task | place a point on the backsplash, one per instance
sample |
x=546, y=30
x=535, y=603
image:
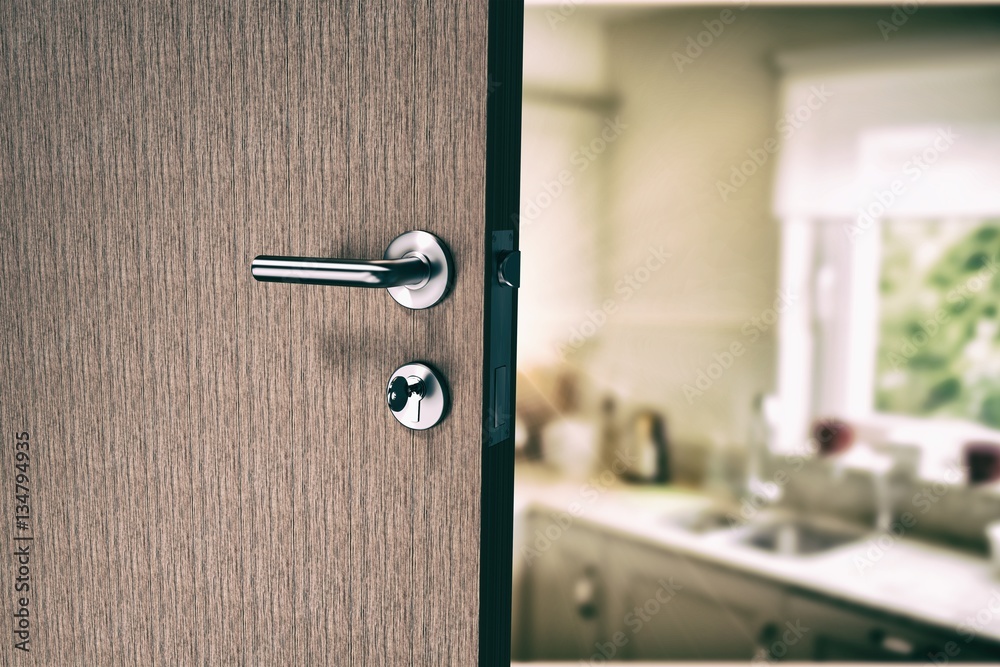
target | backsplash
x=938, y=512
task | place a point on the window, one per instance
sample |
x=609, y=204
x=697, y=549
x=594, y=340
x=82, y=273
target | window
x=938, y=322
x=890, y=221
x=902, y=331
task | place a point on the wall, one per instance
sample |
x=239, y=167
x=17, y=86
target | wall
x=562, y=190
x=672, y=343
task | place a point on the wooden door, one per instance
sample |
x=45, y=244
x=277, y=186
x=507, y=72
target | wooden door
x=209, y=472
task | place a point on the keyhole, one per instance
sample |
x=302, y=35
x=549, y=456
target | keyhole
x=416, y=392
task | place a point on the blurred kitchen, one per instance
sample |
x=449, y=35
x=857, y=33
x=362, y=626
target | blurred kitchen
x=758, y=389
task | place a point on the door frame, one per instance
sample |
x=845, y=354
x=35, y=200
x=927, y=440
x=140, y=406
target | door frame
x=503, y=170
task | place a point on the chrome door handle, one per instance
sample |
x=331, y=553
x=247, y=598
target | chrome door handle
x=416, y=269
x=343, y=272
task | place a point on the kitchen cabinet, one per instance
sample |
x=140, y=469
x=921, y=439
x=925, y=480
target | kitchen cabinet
x=839, y=633
x=676, y=608
x=596, y=595
x=566, y=568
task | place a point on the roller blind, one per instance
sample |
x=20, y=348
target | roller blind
x=919, y=129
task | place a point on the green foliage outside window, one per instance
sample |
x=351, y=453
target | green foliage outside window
x=939, y=329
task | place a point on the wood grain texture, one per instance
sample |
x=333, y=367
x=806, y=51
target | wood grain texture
x=215, y=477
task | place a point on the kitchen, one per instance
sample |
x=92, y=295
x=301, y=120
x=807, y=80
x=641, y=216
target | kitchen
x=758, y=412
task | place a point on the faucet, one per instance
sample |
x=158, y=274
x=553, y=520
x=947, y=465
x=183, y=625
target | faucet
x=769, y=493
x=758, y=452
x=884, y=513
x=884, y=473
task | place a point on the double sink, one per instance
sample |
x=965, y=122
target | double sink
x=776, y=533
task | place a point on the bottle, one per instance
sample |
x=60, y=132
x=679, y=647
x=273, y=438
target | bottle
x=610, y=436
x=650, y=451
x=571, y=441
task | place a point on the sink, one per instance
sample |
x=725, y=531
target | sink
x=701, y=521
x=798, y=537
x=776, y=532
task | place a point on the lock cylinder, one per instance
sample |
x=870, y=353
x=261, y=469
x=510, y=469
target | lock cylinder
x=401, y=389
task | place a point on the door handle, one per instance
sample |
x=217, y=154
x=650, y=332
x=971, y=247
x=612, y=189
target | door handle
x=416, y=270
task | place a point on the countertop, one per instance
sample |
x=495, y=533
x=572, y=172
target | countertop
x=907, y=578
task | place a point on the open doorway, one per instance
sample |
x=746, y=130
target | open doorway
x=759, y=351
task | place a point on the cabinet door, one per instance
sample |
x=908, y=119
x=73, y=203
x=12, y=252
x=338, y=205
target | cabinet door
x=566, y=590
x=675, y=608
x=840, y=633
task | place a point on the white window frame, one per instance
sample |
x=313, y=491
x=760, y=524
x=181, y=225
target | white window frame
x=839, y=300
x=826, y=172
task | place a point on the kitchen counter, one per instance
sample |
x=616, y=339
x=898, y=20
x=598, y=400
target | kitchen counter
x=897, y=575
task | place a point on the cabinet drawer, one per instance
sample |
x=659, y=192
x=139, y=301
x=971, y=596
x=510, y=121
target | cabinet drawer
x=839, y=632
x=677, y=608
x=697, y=576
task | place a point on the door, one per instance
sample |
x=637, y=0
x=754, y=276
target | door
x=201, y=469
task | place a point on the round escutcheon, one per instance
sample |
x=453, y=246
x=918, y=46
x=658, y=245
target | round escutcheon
x=435, y=253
